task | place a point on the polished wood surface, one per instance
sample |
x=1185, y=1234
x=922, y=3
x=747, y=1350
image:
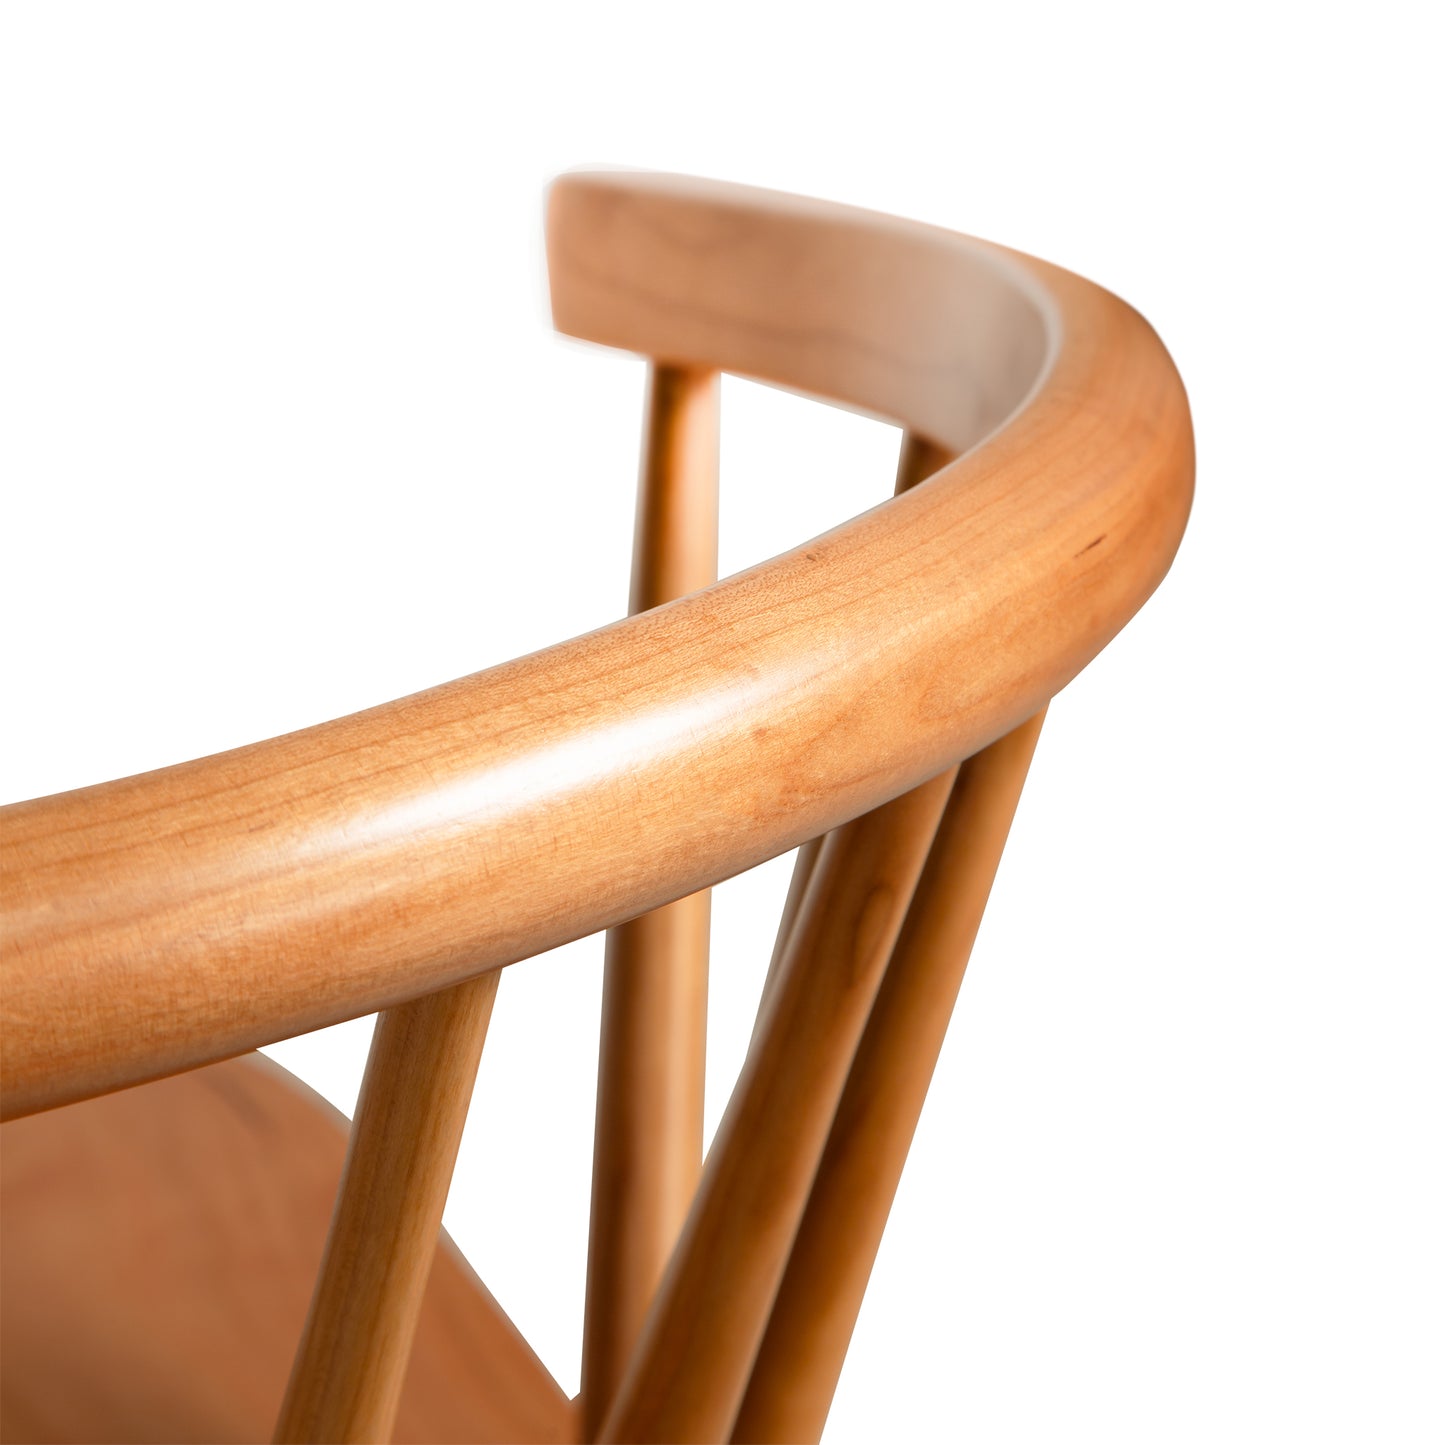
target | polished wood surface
x=811, y=1322
x=691, y=1364
x=158, y=1242
x=944, y=335
x=157, y=1252
x=396, y=852
x=351, y=1361
x=674, y=548
x=918, y=459
x=648, y=1143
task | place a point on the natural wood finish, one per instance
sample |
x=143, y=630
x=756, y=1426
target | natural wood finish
x=648, y=1148
x=942, y=334
x=157, y=1254
x=801, y=1357
x=398, y=858
x=918, y=459
x=674, y=548
x=352, y=1359
x=691, y=1364
x=394, y=853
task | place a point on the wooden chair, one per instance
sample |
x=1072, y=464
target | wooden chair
x=161, y=1242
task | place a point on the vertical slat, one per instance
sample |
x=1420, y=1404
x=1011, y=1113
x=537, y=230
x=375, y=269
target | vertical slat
x=674, y=549
x=648, y=1150
x=845, y=905
x=691, y=1365
x=802, y=1353
x=350, y=1364
x=918, y=459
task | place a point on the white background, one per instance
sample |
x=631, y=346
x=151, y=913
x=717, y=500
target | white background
x=284, y=432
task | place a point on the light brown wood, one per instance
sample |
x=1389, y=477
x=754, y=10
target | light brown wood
x=918, y=459
x=691, y=1364
x=157, y=1254
x=801, y=1357
x=350, y=1364
x=394, y=853
x=941, y=334
x=674, y=549
x=396, y=859
x=648, y=1145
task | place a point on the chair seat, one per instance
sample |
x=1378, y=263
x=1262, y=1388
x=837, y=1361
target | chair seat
x=159, y=1251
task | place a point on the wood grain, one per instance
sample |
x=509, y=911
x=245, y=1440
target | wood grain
x=158, y=1252
x=157, y=922
x=918, y=459
x=812, y=1318
x=397, y=858
x=648, y=1145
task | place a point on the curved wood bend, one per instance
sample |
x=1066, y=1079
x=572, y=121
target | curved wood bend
x=158, y=922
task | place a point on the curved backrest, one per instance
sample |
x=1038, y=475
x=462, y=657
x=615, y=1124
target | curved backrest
x=942, y=335
x=874, y=694
x=160, y=921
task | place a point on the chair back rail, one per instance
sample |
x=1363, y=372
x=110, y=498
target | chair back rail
x=157, y=922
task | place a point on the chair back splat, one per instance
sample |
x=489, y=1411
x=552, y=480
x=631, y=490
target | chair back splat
x=874, y=695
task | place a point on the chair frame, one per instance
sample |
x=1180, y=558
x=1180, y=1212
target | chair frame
x=397, y=859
